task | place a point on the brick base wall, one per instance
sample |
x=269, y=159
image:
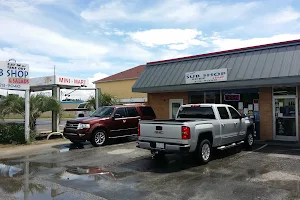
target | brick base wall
x=160, y=102
x=266, y=113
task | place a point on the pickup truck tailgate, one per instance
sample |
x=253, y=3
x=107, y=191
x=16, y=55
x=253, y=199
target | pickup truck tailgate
x=171, y=131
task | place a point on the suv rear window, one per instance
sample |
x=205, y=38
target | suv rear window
x=147, y=111
x=196, y=112
x=132, y=112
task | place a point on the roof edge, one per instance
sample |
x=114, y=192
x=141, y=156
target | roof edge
x=218, y=53
x=250, y=83
x=124, y=79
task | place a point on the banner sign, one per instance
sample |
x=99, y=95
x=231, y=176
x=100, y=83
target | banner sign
x=60, y=80
x=14, y=76
x=215, y=75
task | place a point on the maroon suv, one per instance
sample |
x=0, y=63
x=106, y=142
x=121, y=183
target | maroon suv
x=108, y=122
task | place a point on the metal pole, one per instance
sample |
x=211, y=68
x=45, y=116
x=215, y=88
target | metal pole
x=27, y=110
x=97, y=92
x=55, y=116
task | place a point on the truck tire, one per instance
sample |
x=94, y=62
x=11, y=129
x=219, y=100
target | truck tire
x=249, y=140
x=204, y=151
x=99, y=138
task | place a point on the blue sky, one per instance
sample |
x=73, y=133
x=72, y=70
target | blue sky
x=95, y=38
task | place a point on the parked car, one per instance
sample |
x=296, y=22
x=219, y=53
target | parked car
x=197, y=129
x=82, y=110
x=108, y=122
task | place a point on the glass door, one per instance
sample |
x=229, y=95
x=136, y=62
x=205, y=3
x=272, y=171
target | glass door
x=174, y=105
x=285, y=118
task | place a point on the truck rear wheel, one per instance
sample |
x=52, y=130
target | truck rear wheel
x=249, y=140
x=204, y=151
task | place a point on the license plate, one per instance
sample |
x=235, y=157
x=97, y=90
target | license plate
x=160, y=145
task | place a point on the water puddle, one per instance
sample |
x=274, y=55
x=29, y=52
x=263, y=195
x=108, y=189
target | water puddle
x=29, y=180
x=75, y=147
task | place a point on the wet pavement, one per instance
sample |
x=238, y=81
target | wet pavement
x=121, y=171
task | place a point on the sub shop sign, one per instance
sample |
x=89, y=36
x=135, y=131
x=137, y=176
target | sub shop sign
x=206, y=76
x=14, y=76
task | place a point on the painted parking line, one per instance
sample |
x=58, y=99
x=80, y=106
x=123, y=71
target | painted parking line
x=260, y=148
x=284, y=156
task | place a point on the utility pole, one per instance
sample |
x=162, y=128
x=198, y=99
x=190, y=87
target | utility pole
x=54, y=70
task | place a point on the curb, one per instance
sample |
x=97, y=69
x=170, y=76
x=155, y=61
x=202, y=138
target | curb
x=278, y=143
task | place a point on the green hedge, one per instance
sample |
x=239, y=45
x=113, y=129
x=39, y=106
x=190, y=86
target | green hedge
x=12, y=133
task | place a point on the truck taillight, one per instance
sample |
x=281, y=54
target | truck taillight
x=185, y=133
x=139, y=130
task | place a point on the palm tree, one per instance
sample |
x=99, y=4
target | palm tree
x=39, y=103
x=105, y=99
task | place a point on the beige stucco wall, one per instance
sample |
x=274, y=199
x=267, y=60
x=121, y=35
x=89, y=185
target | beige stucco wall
x=120, y=89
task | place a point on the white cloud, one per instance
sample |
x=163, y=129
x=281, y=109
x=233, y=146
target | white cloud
x=283, y=16
x=34, y=38
x=175, y=11
x=96, y=77
x=45, y=65
x=176, y=38
x=226, y=44
x=18, y=5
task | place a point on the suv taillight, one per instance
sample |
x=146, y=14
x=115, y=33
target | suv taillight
x=139, y=130
x=185, y=133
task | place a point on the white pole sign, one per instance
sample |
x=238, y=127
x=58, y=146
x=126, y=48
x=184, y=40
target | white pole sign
x=14, y=76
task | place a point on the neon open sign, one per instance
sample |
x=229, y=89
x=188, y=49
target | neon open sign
x=232, y=97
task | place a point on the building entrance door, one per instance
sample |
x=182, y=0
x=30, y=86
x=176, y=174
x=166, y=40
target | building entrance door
x=285, y=118
x=174, y=105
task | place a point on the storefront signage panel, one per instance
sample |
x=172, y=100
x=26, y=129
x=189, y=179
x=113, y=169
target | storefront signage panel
x=216, y=75
x=14, y=76
x=232, y=97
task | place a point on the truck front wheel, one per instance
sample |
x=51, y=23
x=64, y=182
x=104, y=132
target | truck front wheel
x=204, y=151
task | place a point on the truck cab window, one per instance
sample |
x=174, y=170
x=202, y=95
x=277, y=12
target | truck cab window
x=223, y=112
x=196, y=112
x=234, y=113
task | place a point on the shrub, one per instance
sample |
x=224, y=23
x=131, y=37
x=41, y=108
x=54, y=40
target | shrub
x=12, y=133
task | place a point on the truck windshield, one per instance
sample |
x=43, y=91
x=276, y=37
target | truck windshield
x=196, y=112
x=103, y=112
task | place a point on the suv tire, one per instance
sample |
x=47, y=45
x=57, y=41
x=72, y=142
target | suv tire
x=204, y=151
x=99, y=138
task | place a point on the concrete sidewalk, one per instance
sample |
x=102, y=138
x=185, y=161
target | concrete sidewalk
x=37, y=148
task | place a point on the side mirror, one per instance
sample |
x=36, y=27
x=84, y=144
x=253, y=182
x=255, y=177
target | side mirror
x=242, y=116
x=116, y=116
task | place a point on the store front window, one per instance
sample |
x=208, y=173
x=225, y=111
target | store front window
x=246, y=101
x=205, y=97
x=285, y=113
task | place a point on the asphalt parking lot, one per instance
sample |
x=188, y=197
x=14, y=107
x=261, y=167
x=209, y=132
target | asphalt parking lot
x=121, y=171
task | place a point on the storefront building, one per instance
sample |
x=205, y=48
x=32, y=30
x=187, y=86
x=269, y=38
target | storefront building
x=120, y=85
x=261, y=81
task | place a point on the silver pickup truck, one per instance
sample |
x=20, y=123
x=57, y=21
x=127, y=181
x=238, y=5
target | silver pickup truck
x=197, y=129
